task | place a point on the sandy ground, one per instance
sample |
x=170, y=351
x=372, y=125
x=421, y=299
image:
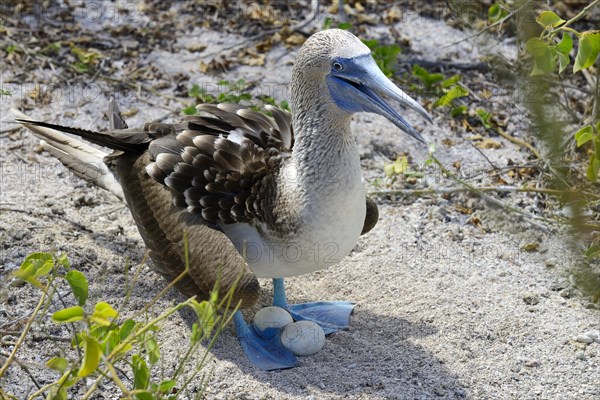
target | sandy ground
x=446, y=308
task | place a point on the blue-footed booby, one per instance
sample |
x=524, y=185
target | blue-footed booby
x=285, y=191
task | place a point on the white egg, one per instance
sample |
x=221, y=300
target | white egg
x=270, y=320
x=303, y=338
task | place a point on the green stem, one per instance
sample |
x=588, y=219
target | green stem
x=580, y=14
x=119, y=348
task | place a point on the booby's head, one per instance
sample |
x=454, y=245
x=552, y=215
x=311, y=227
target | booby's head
x=343, y=64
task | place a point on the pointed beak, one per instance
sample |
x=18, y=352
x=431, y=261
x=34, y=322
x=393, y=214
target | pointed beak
x=360, y=86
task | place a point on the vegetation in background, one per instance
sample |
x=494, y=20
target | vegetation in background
x=228, y=92
x=386, y=56
x=552, y=51
x=446, y=90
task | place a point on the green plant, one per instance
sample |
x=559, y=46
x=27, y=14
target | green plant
x=87, y=60
x=496, y=13
x=386, y=57
x=446, y=89
x=106, y=344
x=548, y=52
x=10, y=49
x=590, y=133
x=229, y=92
x=328, y=23
x=552, y=55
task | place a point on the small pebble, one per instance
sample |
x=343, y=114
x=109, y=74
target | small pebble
x=57, y=210
x=587, y=337
x=530, y=299
x=566, y=293
x=530, y=247
x=303, y=338
x=269, y=321
x=532, y=363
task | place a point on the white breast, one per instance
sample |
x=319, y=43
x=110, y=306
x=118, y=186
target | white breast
x=330, y=227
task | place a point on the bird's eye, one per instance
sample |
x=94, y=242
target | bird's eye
x=337, y=66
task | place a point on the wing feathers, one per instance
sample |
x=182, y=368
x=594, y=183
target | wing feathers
x=221, y=163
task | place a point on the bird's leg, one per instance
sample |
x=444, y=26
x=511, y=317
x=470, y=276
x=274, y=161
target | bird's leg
x=265, y=354
x=330, y=315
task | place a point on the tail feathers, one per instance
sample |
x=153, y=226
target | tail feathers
x=84, y=160
x=114, y=116
x=133, y=140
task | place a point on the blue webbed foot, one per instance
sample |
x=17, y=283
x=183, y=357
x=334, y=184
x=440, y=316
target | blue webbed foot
x=264, y=354
x=332, y=316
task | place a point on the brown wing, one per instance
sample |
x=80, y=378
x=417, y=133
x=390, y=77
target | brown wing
x=223, y=165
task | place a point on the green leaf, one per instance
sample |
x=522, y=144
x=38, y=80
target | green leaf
x=70, y=314
x=194, y=91
x=450, y=81
x=543, y=60
x=396, y=168
x=102, y=312
x=593, y=251
x=371, y=43
x=584, y=135
x=44, y=268
x=27, y=273
x=58, y=364
x=345, y=26
x=424, y=76
x=589, y=48
x=455, y=92
x=141, y=373
x=206, y=314
x=496, y=13
x=191, y=110
x=79, y=285
x=152, y=349
x=110, y=342
x=549, y=19
x=536, y=47
x=126, y=329
x=63, y=260
x=484, y=116
x=91, y=356
x=166, y=385
x=146, y=395
x=563, y=62
x=458, y=111
x=565, y=45
x=34, y=266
